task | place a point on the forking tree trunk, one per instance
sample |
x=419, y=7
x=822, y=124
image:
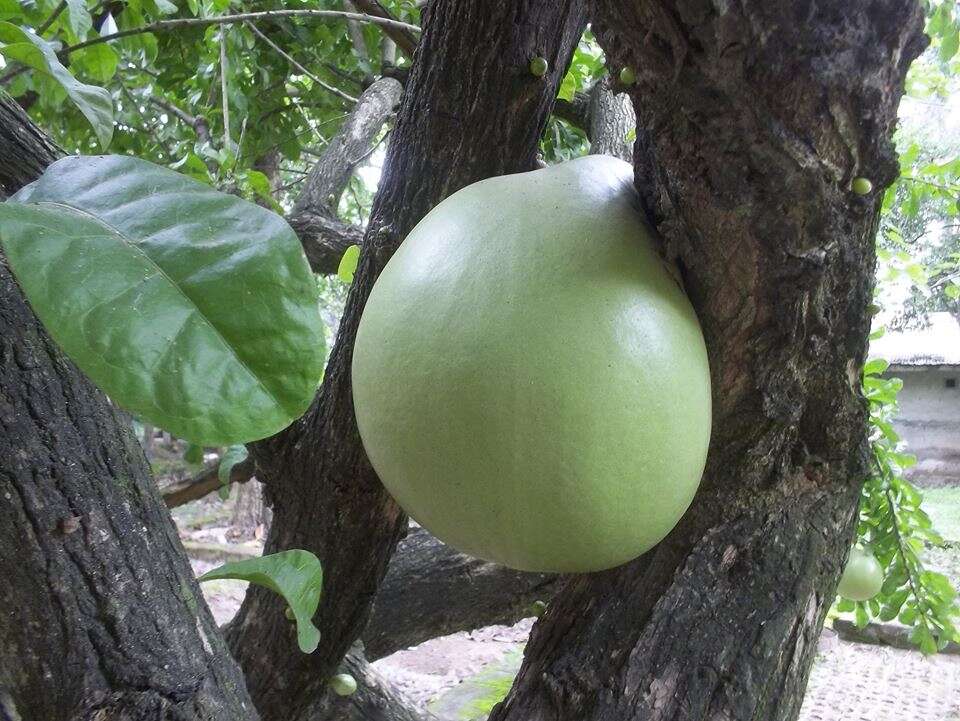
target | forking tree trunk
x=761, y=113
x=760, y=116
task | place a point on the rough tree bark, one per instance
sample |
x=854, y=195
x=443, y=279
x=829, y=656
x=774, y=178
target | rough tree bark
x=25, y=150
x=102, y=618
x=314, y=215
x=469, y=112
x=605, y=113
x=761, y=113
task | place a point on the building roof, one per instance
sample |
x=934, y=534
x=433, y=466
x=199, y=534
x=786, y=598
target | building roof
x=937, y=344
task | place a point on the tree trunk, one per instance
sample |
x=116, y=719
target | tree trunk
x=470, y=111
x=102, y=619
x=761, y=113
x=251, y=516
x=25, y=150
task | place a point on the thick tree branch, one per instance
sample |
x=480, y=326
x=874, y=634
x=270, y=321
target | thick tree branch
x=331, y=173
x=25, y=150
x=180, y=23
x=433, y=590
x=204, y=483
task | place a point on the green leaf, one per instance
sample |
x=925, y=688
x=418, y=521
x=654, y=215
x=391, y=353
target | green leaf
x=949, y=45
x=98, y=61
x=232, y=456
x=95, y=103
x=860, y=616
x=78, y=18
x=193, y=309
x=348, y=263
x=296, y=575
x=875, y=367
x=193, y=454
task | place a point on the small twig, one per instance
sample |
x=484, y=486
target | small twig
x=199, y=123
x=404, y=40
x=53, y=16
x=179, y=23
x=227, y=143
x=282, y=53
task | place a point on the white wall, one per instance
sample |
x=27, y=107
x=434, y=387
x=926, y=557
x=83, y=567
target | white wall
x=929, y=422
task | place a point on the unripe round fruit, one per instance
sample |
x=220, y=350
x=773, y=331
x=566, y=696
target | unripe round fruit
x=530, y=382
x=628, y=76
x=862, y=578
x=538, y=608
x=861, y=186
x=539, y=66
x=343, y=684
x=288, y=612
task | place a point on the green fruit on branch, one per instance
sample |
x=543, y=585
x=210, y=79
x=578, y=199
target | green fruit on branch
x=862, y=578
x=539, y=67
x=530, y=382
x=538, y=608
x=343, y=684
x=861, y=186
x=628, y=76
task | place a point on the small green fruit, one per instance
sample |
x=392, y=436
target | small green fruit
x=292, y=90
x=288, y=612
x=628, y=76
x=539, y=66
x=538, y=608
x=861, y=186
x=862, y=578
x=343, y=684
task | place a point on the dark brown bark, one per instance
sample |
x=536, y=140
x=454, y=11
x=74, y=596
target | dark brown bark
x=432, y=590
x=761, y=113
x=470, y=111
x=102, y=616
x=25, y=150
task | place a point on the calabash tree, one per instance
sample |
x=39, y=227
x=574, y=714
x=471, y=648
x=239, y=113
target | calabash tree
x=757, y=127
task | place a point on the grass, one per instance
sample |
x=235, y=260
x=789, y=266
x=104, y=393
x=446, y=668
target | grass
x=943, y=507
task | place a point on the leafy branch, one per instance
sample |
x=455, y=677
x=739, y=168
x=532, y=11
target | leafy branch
x=895, y=527
x=181, y=23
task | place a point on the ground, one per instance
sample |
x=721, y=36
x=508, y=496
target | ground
x=459, y=677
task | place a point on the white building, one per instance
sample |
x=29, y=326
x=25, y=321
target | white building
x=928, y=362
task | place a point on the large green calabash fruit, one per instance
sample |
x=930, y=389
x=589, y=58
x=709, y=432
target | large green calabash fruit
x=862, y=578
x=530, y=382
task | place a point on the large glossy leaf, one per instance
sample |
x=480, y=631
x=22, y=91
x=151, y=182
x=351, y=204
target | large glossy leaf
x=296, y=575
x=95, y=103
x=193, y=309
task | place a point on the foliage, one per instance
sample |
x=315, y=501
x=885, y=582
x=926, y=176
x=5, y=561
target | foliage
x=918, y=244
x=894, y=526
x=232, y=456
x=296, y=575
x=166, y=88
x=208, y=329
